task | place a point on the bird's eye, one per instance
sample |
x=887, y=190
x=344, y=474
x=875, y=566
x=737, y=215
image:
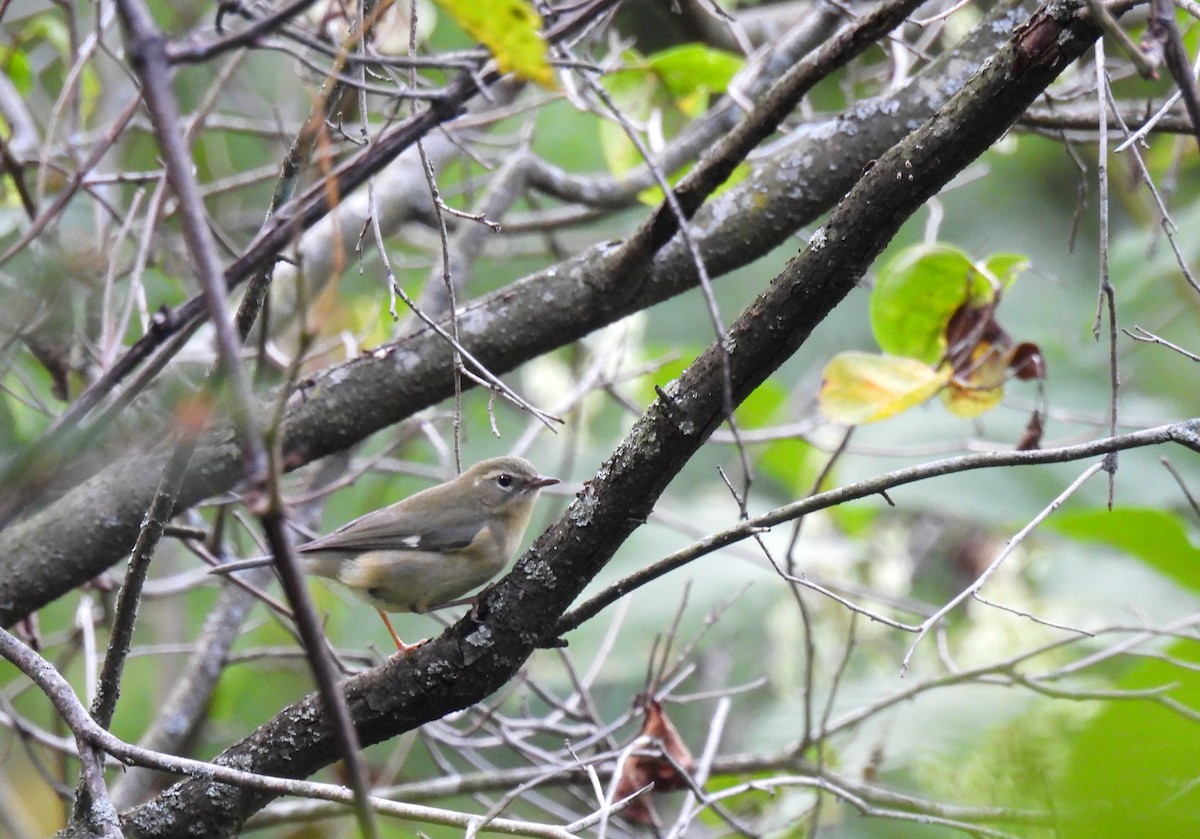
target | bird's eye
x=505, y=480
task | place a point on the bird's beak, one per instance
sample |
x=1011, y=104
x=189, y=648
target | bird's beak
x=542, y=481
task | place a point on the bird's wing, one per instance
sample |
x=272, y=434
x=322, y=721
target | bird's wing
x=384, y=530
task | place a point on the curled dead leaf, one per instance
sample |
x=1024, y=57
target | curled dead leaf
x=667, y=775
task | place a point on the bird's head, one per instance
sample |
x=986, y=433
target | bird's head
x=504, y=482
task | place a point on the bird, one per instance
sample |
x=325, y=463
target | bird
x=431, y=548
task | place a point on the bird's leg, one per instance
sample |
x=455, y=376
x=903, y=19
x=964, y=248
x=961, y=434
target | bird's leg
x=400, y=645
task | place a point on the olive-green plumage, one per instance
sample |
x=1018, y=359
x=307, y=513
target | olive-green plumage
x=431, y=548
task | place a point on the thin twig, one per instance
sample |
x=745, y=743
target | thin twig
x=982, y=579
x=1107, y=295
x=149, y=58
x=1181, y=433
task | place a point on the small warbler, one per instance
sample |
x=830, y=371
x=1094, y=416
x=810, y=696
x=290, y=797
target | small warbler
x=430, y=548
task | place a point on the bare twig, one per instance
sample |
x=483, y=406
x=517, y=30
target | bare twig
x=980, y=581
x=1181, y=433
x=150, y=60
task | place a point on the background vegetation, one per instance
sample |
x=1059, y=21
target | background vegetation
x=928, y=625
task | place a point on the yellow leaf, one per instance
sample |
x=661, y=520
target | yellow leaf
x=509, y=29
x=970, y=402
x=860, y=387
x=982, y=386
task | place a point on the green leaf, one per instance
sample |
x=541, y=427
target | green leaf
x=510, y=30
x=758, y=409
x=792, y=463
x=16, y=67
x=920, y=288
x=662, y=92
x=915, y=294
x=861, y=387
x=643, y=100
x=691, y=69
x=49, y=28
x=1133, y=768
x=1004, y=268
x=854, y=520
x=1156, y=537
x=1010, y=765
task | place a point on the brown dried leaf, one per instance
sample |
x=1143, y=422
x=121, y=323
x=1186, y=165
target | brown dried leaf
x=1027, y=362
x=640, y=770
